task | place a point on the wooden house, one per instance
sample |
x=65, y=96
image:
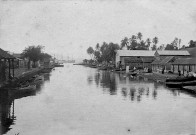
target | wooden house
x=6, y=65
x=164, y=59
x=135, y=58
x=184, y=64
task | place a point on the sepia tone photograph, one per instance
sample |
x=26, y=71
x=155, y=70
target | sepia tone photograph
x=97, y=67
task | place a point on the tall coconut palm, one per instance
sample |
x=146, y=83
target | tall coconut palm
x=133, y=42
x=155, y=41
x=148, y=42
x=139, y=36
x=124, y=43
x=97, y=47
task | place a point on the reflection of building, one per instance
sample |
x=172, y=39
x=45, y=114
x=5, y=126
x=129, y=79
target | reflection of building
x=135, y=58
x=7, y=117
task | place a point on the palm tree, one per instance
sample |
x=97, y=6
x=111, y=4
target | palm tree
x=90, y=51
x=139, y=36
x=133, y=42
x=124, y=43
x=148, y=41
x=155, y=41
x=97, y=47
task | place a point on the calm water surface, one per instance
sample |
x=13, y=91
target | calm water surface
x=77, y=100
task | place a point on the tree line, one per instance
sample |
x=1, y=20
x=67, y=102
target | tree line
x=107, y=51
x=34, y=54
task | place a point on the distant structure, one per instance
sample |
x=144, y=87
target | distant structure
x=69, y=60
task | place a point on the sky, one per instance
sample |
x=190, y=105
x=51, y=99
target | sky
x=69, y=27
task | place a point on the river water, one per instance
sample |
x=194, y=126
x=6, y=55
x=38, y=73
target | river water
x=77, y=100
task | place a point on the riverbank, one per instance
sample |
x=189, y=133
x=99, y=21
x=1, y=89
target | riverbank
x=155, y=76
x=21, y=74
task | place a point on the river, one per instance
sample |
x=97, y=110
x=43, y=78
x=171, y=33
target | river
x=78, y=100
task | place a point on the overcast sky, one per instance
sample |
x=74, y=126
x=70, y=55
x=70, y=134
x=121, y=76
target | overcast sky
x=69, y=27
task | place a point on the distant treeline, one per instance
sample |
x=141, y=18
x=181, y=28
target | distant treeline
x=107, y=51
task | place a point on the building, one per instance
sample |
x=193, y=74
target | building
x=165, y=58
x=19, y=61
x=6, y=64
x=184, y=65
x=135, y=58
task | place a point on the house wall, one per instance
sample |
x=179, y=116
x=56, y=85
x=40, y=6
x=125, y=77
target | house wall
x=137, y=64
x=184, y=68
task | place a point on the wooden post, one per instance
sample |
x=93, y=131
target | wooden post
x=183, y=69
x=13, y=67
x=173, y=68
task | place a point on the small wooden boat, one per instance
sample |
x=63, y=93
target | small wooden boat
x=29, y=87
x=179, y=82
x=132, y=73
x=46, y=70
x=190, y=88
x=59, y=65
x=37, y=79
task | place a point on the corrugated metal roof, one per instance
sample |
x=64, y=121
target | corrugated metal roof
x=174, y=52
x=166, y=60
x=135, y=53
x=5, y=55
x=184, y=61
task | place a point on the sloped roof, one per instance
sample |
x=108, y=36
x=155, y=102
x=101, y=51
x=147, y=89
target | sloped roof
x=5, y=55
x=192, y=51
x=135, y=53
x=184, y=61
x=166, y=60
x=173, y=52
x=156, y=61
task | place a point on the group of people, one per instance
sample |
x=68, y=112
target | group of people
x=187, y=73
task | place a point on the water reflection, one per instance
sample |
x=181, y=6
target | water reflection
x=133, y=88
x=106, y=80
x=7, y=98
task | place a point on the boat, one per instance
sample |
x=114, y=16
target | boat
x=37, y=79
x=132, y=73
x=179, y=82
x=190, y=88
x=46, y=70
x=29, y=87
x=58, y=65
